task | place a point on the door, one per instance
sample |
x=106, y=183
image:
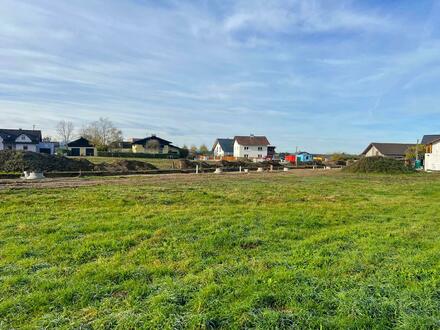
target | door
x=45, y=151
x=90, y=152
x=74, y=152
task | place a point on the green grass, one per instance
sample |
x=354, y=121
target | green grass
x=159, y=163
x=339, y=251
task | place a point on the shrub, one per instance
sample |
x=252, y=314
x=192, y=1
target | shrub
x=378, y=164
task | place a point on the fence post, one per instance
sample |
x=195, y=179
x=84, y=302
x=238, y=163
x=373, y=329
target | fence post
x=197, y=169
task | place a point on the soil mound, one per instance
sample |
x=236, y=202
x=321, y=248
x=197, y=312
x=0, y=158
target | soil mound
x=185, y=164
x=18, y=161
x=125, y=166
x=378, y=165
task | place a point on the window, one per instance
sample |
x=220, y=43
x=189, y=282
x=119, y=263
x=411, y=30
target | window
x=260, y=156
x=260, y=148
x=246, y=156
x=23, y=137
x=25, y=147
x=246, y=148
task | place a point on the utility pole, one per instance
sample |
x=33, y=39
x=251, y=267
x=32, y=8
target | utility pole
x=296, y=156
x=417, y=154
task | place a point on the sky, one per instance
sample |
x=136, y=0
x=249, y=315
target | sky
x=323, y=76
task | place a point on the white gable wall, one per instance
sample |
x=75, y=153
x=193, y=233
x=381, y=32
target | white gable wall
x=373, y=152
x=242, y=151
x=23, y=138
x=218, y=151
x=432, y=160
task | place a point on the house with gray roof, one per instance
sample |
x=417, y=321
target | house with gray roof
x=25, y=140
x=391, y=150
x=223, y=148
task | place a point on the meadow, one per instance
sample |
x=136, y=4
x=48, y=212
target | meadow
x=231, y=251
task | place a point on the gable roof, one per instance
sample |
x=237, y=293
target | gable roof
x=389, y=149
x=252, y=140
x=152, y=137
x=10, y=135
x=80, y=143
x=227, y=145
x=427, y=139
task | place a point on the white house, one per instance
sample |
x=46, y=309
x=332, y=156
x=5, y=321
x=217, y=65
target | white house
x=223, y=148
x=18, y=139
x=26, y=140
x=252, y=147
x=432, y=156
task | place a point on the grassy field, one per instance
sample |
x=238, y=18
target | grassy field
x=159, y=163
x=272, y=251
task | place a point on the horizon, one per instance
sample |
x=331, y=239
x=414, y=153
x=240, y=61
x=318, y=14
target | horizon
x=323, y=76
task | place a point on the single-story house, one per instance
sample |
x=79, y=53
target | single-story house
x=304, y=157
x=26, y=140
x=154, y=145
x=252, y=147
x=432, y=155
x=391, y=150
x=81, y=147
x=223, y=148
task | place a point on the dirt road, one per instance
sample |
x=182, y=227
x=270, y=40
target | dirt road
x=155, y=178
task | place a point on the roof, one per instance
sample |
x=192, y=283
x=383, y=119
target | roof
x=80, y=143
x=10, y=135
x=303, y=153
x=227, y=145
x=390, y=149
x=427, y=139
x=252, y=140
x=152, y=137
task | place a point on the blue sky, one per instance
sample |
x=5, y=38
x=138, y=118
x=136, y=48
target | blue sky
x=321, y=75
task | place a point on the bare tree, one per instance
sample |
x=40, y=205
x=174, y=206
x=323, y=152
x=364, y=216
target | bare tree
x=65, y=130
x=102, y=133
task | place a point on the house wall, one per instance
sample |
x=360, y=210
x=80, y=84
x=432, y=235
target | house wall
x=166, y=149
x=432, y=160
x=218, y=151
x=26, y=147
x=2, y=147
x=305, y=158
x=137, y=148
x=241, y=151
x=373, y=152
